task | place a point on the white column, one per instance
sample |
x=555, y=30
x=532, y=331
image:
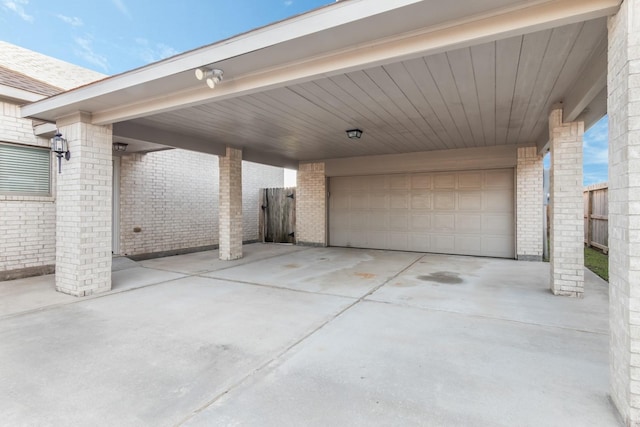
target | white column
x=529, y=228
x=83, y=208
x=624, y=209
x=230, y=210
x=311, y=205
x=567, y=211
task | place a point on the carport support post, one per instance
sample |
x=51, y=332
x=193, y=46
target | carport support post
x=529, y=229
x=311, y=205
x=83, y=208
x=230, y=209
x=567, y=215
x=624, y=209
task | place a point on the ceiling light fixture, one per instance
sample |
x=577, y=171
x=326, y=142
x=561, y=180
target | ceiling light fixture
x=120, y=146
x=212, y=76
x=354, y=133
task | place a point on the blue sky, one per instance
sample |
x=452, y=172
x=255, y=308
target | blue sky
x=112, y=36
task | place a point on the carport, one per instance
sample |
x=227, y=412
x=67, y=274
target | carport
x=457, y=103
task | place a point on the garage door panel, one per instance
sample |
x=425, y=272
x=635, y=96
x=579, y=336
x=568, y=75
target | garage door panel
x=421, y=181
x=420, y=222
x=468, y=223
x=377, y=240
x=340, y=201
x=444, y=201
x=467, y=212
x=470, y=180
x=443, y=243
x=420, y=242
x=399, y=241
x=421, y=200
x=443, y=181
x=378, y=220
x=400, y=200
x=502, y=178
x=377, y=183
x=468, y=245
x=497, y=224
x=359, y=220
x=399, y=182
x=379, y=201
x=470, y=201
x=497, y=201
x=444, y=222
x=497, y=246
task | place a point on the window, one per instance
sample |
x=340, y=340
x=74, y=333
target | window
x=25, y=170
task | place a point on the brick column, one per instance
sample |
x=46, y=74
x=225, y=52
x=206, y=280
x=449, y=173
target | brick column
x=83, y=208
x=624, y=209
x=230, y=216
x=529, y=227
x=566, y=213
x=311, y=205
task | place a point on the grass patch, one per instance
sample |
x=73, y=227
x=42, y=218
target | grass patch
x=597, y=262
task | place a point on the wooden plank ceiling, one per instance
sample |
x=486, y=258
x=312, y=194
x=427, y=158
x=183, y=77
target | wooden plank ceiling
x=491, y=94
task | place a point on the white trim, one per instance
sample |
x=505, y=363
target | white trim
x=518, y=19
x=19, y=94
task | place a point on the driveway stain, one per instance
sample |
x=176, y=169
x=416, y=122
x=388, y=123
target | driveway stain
x=366, y=275
x=291, y=266
x=443, y=277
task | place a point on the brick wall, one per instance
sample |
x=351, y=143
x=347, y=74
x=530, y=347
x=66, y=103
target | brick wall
x=311, y=205
x=567, y=209
x=173, y=197
x=624, y=210
x=529, y=219
x=27, y=226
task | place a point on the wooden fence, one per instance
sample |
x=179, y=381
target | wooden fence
x=596, y=216
x=278, y=215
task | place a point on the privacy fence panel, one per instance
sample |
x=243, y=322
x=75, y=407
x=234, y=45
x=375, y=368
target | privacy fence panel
x=278, y=215
x=596, y=216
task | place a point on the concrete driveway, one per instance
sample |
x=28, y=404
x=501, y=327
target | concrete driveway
x=292, y=336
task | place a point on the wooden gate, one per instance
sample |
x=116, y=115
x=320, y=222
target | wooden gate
x=278, y=215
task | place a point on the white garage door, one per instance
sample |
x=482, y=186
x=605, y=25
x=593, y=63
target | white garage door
x=466, y=213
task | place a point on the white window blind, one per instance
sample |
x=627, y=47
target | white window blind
x=25, y=170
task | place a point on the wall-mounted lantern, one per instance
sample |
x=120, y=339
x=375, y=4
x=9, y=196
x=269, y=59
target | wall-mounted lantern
x=60, y=147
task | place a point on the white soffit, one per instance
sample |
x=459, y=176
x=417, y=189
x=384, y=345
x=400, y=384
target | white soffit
x=342, y=37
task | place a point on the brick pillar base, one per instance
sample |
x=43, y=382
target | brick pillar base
x=567, y=211
x=83, y=209
x=529, y=227
x=624, y=209
x=230, y=215
x=311, y=205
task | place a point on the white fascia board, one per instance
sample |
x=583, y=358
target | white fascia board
x=45, y=129
x=516, y=21
x=19, y=95
x=321, y=19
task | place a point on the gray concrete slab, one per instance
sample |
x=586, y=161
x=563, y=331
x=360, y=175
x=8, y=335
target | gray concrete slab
x=444, y=341
x=203, y=262
x=147, y=357
x=335, y=271
x=387, y=365
x=31, y=293
x=497, y=288
x=138, y=277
